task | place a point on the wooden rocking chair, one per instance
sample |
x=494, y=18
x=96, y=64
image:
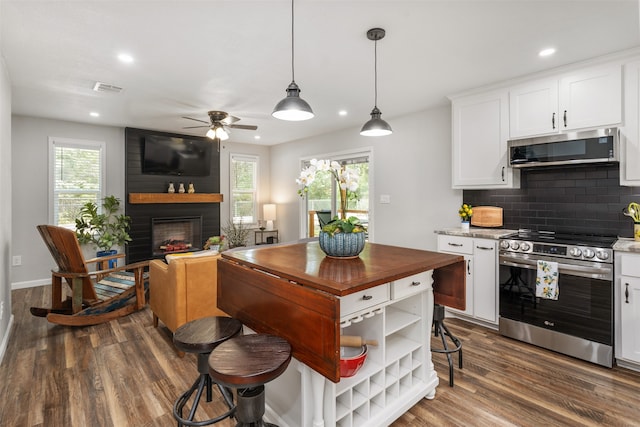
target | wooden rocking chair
x=96, y=296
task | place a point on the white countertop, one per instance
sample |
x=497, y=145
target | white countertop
x=483, y=233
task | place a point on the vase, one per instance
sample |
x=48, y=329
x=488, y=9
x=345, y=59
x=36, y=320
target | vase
x=636, y=231
x=342, y=245
x=464, y=225
x=112, y=263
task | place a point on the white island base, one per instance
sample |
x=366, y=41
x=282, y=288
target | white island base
x=395, y=376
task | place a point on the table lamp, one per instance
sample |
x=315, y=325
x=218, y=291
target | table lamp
x=269, y=213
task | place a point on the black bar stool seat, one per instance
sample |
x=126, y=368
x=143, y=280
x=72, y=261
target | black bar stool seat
x=440, y=329
x=246, y=363
x=202, y=336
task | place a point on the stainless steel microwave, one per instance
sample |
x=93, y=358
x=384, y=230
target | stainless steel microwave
x=594, y=146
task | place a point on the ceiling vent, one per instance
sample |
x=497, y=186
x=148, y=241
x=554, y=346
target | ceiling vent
x=104, y=87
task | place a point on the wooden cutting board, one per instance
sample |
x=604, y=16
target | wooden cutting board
x=487, y=216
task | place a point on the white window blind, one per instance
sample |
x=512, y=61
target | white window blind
x=76, y=170
x=244, y=188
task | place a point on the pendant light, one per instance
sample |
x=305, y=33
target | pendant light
x=292, y=108
x=376, y=126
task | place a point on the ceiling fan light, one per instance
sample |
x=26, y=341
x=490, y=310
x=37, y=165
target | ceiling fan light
x=376, y=126
x=211, y=133
x=222, y=134
x=293, y=108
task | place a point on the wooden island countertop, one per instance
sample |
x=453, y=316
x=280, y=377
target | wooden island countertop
x=294, y=290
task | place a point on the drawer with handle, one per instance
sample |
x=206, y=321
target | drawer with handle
x=364, y=299
x=455, y=244
x=411, y=285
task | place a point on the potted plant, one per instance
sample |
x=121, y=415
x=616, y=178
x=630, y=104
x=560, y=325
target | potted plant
x=104, y=229
x=342, y=237
x=465, y=212
x=214, y=243
x=235, y=234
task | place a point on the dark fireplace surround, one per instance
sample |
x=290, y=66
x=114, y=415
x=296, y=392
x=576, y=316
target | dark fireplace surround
x=203, y=219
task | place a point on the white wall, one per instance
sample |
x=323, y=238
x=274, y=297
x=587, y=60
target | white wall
x=5, y=208
x=30, y=185
x=412, y=166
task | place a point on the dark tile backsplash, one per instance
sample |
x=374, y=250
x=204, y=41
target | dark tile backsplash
x=571, y=199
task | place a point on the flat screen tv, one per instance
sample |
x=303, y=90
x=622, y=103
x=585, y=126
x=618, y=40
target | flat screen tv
x=164, y=155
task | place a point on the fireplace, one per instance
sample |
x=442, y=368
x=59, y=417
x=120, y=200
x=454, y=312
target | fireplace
x=176, y=234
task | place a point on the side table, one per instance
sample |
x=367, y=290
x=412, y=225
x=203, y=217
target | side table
x=271, y=237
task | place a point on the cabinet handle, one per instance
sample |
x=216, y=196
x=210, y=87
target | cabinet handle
x=626, y=293
x=553, y=120
x=503, y=174
x=415, y=283
x=486, y=248
x=454, y=244
x=547, y=323
x=565, y=118
x=366, y=297
x=469, y=267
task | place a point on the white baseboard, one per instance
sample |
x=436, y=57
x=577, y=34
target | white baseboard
x=30, y=284
x=5, y=339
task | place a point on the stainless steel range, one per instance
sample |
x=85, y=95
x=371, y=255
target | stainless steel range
x=580, y=322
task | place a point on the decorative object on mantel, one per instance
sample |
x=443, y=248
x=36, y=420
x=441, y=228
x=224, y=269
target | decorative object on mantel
x=342, y=237
x=104, y=229
x=465, y=212
x=235, y=234
x=633, y=212
x=171, y=189
x=191, y=189
x=181, y=189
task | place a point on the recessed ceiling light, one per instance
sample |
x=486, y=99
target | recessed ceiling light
x=126, y=58
x=547, y=52
x=94, y=114
x=342, y=112
x=256, y=137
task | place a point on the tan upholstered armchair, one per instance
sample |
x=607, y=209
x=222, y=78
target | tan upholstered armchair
x=183, y=290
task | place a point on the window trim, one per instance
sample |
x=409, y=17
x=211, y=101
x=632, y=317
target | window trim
x=54, y=141
x=252, y=158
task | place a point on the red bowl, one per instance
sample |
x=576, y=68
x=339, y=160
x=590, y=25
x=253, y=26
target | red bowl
x=351, y=360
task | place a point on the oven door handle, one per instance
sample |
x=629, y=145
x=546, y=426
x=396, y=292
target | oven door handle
x=574, y=270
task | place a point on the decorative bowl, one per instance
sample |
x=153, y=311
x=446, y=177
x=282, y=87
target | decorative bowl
x=351, y=360
x=342, y=245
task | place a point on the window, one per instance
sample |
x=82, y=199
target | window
x=244, y=191
x=76, y=176
x=323, y=194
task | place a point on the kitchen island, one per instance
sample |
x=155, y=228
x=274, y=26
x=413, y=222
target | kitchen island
x=387, y=294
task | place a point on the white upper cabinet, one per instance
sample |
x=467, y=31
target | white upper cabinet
x=630, y=133
x=583, y=99
x=480, y=132
x=533, y=108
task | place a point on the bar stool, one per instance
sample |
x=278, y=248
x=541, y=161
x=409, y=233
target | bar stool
x=247, y=363
x=439, y=328
x=201, y=336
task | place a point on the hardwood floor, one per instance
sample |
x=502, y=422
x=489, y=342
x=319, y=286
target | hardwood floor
x=125, y=373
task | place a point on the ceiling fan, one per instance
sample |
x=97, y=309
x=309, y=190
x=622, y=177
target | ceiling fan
x=219, y=123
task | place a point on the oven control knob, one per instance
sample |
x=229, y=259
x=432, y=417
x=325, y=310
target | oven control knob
x=588, y=253
x=515, y=245
x=504, y=244
x=576, y=252
x=525, y=246
x=602, y=255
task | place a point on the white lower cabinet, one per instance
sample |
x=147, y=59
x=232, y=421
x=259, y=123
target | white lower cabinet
x=397, y=373
x=481, y=256
x=627, y=297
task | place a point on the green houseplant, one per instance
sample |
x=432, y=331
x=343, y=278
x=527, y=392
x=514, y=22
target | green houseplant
x=104, y=229
x=343, y=237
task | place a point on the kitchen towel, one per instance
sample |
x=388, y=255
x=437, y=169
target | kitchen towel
x=547, y=280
